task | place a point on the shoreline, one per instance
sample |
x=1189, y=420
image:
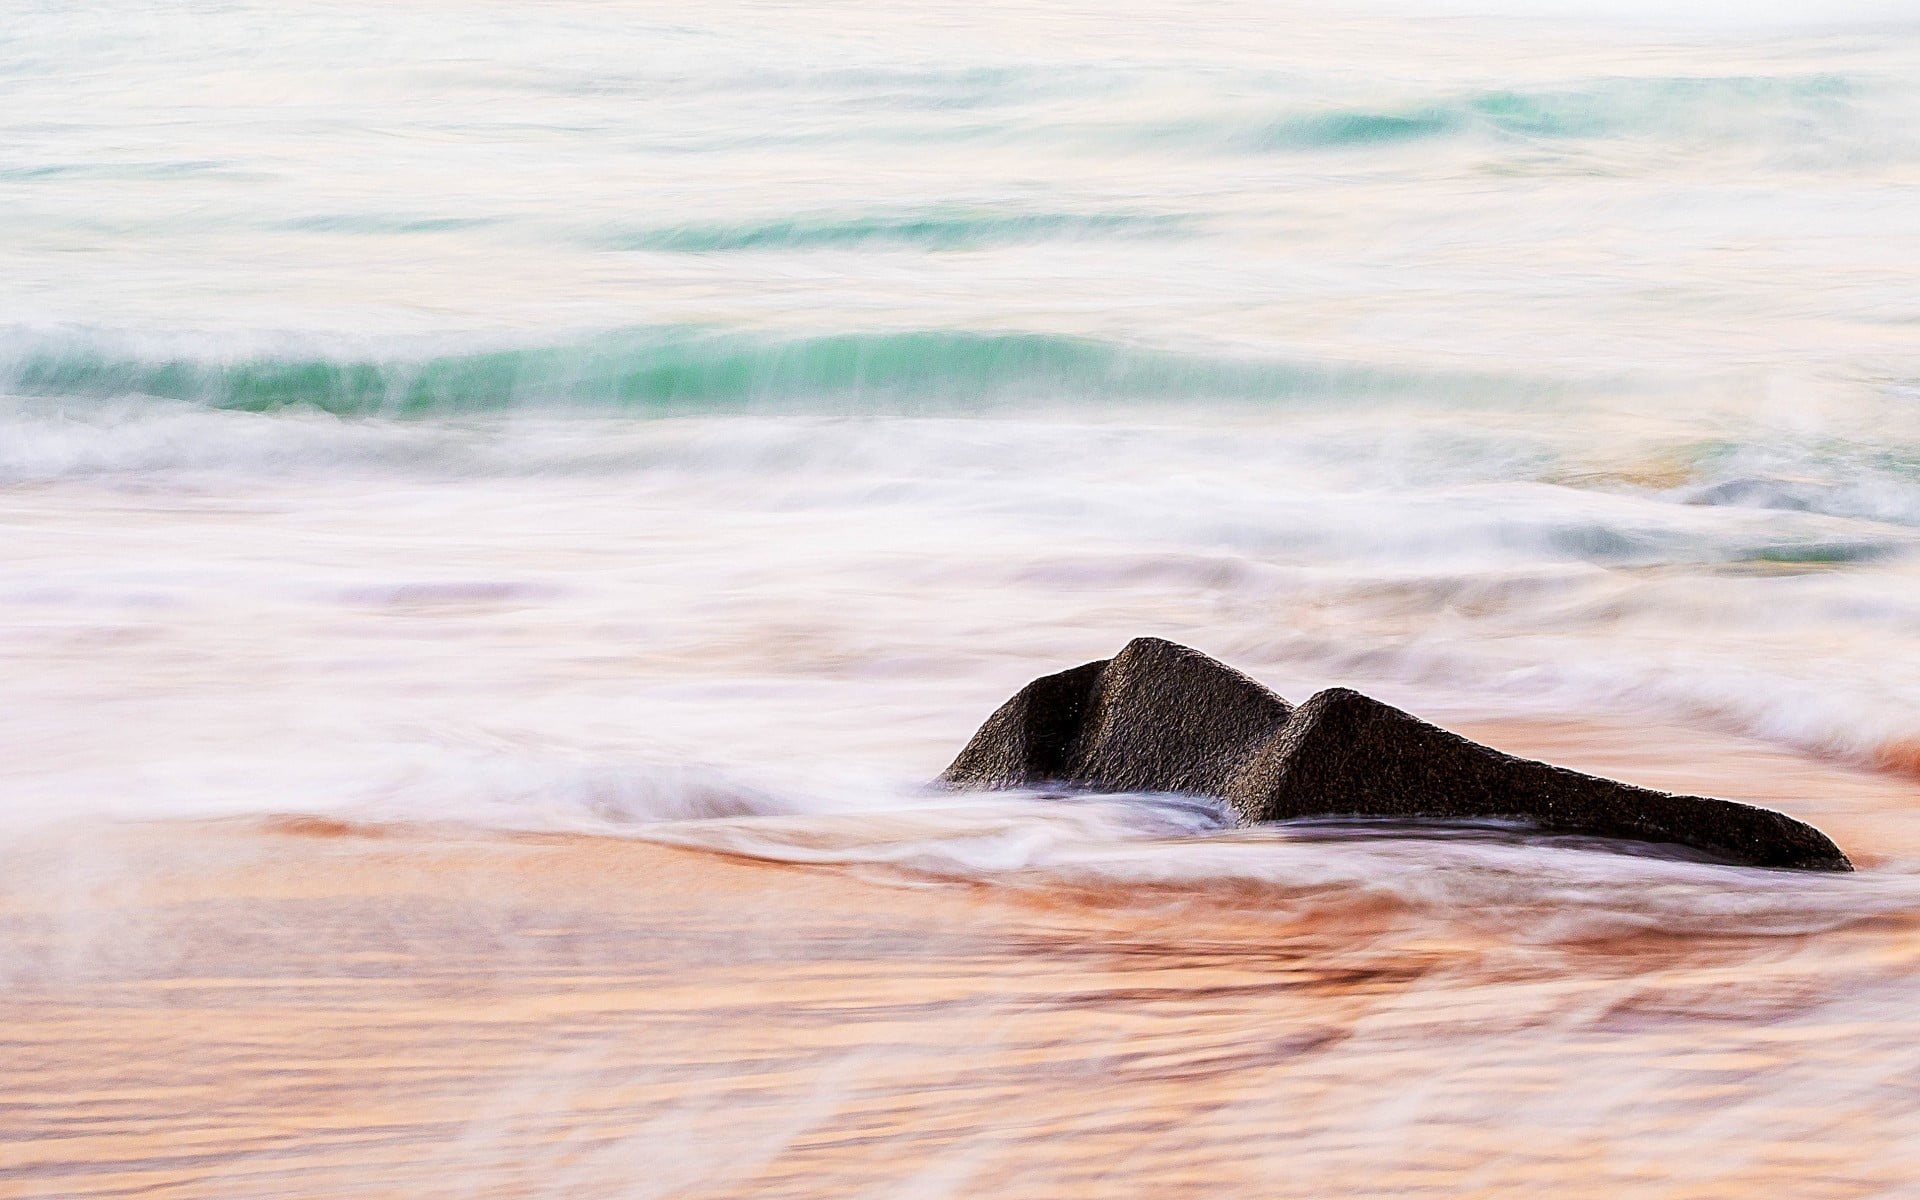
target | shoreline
x=299, y=1006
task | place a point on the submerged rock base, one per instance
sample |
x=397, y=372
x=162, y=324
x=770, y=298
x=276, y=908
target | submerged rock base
x=1160, y=717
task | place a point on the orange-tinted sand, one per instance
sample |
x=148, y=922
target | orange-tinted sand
x=307, y=1008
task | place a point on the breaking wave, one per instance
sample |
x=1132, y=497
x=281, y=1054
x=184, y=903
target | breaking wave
x=1149, y=850
x=1723, y=109
x=693, y=369
x=931, y=229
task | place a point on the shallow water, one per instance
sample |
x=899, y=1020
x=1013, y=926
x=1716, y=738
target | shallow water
x=320, y=1010
x=683, y=427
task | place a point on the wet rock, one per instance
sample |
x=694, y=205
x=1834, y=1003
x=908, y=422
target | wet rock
x=1155, y=717
x=1165, y=718
x=1029, y=739
x=1343, y=752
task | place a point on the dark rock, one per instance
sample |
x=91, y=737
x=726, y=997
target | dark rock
x=1346, y=753
x=1161, y=717
x=1028, y=740
x=1165, y=718
x=1156, y=717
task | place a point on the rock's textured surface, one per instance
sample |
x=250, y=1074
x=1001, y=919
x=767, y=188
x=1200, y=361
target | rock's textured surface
x=1156, y=717
x=1343, y=752
x=1029, y=739
x=1165, y=718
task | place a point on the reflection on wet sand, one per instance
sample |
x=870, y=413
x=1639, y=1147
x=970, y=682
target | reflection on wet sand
x=309, y=1008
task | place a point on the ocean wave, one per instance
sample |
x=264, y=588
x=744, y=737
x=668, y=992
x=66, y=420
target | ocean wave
x=929, y=228
x=1715, y=105
x=1283, y=113
x=1154, y=850
x=381, y=224
x=1825, y=112
x=932, y=227
x=1713, y=110
x=690, y=368
x=1884, y=488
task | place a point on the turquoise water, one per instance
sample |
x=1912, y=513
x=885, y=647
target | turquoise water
x=848, y=365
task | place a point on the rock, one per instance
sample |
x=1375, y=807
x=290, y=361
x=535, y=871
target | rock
x=1164, y=718
x=1027, y=740
x=1343, y=752
x=1156, y=717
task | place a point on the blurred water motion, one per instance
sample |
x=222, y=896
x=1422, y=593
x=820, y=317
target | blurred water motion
x=683, y=426
x=317, y=1012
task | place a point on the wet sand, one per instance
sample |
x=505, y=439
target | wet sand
x=304, y=1008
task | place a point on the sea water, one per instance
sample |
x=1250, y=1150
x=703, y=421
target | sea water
x=691, y=420
x=777, y=386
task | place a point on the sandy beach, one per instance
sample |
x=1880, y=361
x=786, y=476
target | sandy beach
x=300, y=1007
